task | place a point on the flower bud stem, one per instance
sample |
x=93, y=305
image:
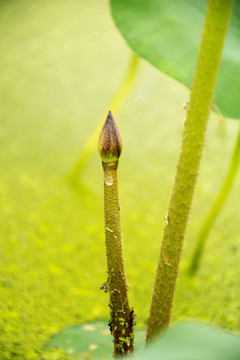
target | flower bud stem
x=121, y=315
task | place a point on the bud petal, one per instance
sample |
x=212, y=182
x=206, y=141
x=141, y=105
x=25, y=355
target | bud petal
x=110, y=142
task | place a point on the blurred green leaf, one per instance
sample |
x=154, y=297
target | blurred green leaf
x=89, y=341
x=167, y=34
x=193, y=342
x=181, y=342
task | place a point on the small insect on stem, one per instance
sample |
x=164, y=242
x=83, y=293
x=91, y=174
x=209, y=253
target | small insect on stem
x=121, y=315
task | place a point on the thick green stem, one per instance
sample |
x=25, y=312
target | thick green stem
x=216, y=208
x=121, y=320
x=115, y=105
x=215, y=27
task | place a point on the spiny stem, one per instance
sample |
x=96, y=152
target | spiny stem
x=215, y=27
x=121, y=315
x=115, y=105
x=216, y=208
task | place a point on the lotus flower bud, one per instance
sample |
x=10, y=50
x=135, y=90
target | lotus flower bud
x=110, y=142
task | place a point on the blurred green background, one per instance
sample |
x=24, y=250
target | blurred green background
x=61, y=63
